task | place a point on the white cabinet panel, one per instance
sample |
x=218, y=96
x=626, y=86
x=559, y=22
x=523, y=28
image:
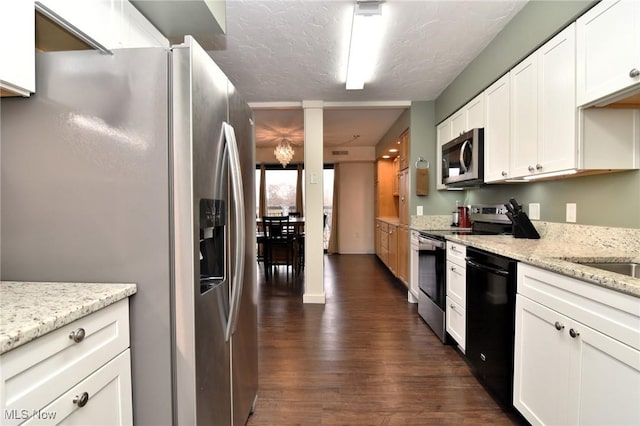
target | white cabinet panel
x=524, y=117
x=541, y=359
x=443, y=134
x=583, y=339
x=608, y=49
x=496, y=131
x=606, y=374
x=456, y=283
x=109, y=399
x=475, y=112
x=17, y=43
x=556, y=103
x=458, y=123
x=456, y=322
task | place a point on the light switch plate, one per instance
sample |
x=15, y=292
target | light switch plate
x=534, y=211
x=571, y=212
x=420, y=212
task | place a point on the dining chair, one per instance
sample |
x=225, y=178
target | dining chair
x=279, y=245
x=300, y=245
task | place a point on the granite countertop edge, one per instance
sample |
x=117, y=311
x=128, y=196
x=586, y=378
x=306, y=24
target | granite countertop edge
x=562, y=261
x=37, y=314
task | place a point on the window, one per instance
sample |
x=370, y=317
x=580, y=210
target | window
x=280, y=190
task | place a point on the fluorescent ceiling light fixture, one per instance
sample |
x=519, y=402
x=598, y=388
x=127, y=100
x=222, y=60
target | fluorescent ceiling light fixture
x=365, y=40
x=551, y=174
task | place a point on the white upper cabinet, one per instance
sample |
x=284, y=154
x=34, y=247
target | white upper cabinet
x=443, y=131
x=496, y=131
x=524, y=116
x=93, y=21
x=468, y=117
x=556, y=102
x=608, y=50
x=103, y=24
x=17, y=42
x=543, y=110
x=475, y=112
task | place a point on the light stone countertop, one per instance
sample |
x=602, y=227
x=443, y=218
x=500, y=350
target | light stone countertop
x=29, y=310
x=560, y=257
x=559, y=248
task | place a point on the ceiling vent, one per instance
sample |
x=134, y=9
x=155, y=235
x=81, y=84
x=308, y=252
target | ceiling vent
x=339, y=153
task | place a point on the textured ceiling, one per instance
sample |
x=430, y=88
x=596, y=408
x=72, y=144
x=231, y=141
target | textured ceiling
x=294, y=50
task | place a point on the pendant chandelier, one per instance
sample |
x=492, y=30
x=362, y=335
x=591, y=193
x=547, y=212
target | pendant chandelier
x=284, y=152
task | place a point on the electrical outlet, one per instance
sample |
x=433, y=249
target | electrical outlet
x=534, y=211
x=420, y=212
x=571, y=212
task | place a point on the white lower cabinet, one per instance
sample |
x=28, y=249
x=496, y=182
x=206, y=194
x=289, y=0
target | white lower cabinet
x=456, y=279
x=456, y=322
x=567, y=369
x=79, y=374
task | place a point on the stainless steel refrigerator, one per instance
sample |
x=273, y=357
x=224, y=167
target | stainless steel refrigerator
x=139, y=167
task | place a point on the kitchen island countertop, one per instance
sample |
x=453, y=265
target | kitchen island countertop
x=29, y=310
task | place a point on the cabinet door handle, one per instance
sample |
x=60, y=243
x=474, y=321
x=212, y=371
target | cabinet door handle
x=453, y=307
x=573, y=333
x=538, y=166
x=531, y=169
x=634, y=73
x=558, y=326
x=453, y=269
x=81, y=400
x=77, y=335
x=504, y=174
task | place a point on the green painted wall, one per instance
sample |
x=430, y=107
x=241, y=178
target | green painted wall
x=423, y=144
x=537, y=22
x=607, y=200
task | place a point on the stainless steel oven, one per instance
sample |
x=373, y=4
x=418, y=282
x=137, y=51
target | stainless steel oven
x=432, y=283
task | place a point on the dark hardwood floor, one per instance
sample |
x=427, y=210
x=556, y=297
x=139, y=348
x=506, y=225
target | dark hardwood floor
x=364, y=358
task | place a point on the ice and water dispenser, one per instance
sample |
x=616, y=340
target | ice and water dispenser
x=212, y=243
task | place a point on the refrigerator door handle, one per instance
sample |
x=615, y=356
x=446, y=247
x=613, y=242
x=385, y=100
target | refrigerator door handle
x=237, y=193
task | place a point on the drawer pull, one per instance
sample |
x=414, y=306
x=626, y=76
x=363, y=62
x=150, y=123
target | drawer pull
x=453, y=306
x=558, y=326
x=81, y=400
x=77, y=335
x=573, y=333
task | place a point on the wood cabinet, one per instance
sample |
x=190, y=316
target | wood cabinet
x=543, y=111
x=404, y=155
x=403, y=271
x=456, y=280
x=403, y=197
x=392, y=254
x=88, y=358
x=608, y=50
x=17, y=35
x=582, y=338
x=497, y=131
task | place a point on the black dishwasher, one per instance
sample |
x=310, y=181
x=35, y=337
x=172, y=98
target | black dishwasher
x=490, y=321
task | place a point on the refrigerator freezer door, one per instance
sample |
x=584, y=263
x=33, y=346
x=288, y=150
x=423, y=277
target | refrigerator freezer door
x=244, y=340
x=200, y=171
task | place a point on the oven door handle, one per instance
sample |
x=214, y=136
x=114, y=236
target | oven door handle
x=490, y=269
x=429, y=242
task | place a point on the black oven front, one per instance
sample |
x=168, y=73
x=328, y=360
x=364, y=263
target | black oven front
x=432, y=283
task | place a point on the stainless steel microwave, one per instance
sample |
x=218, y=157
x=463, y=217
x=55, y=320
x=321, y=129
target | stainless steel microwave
x=463, y=160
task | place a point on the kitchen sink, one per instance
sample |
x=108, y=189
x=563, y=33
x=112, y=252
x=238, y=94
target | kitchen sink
x=627, y=268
